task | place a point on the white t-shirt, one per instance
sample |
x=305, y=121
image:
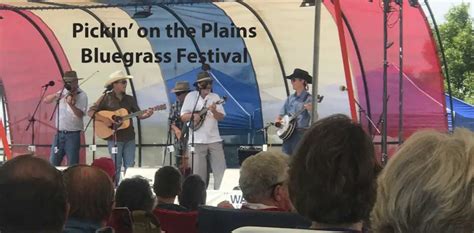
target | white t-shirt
x=209, y=131
x=67, y=119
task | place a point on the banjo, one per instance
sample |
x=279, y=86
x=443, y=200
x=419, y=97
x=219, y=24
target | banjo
x=287, y=125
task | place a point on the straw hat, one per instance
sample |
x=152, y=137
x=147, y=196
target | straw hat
x=203, y=76
x=116, y=76
x=180, y=86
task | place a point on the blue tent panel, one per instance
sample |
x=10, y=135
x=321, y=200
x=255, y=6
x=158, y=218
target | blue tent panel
x=241, y=107
x=463, y=113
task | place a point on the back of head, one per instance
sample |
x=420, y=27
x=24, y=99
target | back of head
x=259, y=173
x=90, y=193
x=427, y=185
x=32, y=196
x=194, y=192
x=332, y=174
x=167, y=182
x=135, y=194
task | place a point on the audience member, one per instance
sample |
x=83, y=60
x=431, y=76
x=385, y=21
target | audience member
x=107, y=165
x=91, y=198
x=167, y=186
x=135, y=194
x=194, y=192
x=32, y=196
x=332, y=177
x=427, y=186
x=263, y=181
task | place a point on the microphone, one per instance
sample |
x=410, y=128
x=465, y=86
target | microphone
x=107, y=89
x=68, y=86
x=276, y=124
x=205, y=67
x=49, y=84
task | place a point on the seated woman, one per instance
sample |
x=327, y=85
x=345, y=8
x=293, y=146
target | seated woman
x=332, y=177
x=135, y=194
x=427, y=186
x=193, y=194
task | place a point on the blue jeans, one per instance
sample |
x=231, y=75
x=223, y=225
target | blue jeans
x=125, y=153
x=69, y=143
x=289, y=145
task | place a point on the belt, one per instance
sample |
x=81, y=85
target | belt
x=68, y=132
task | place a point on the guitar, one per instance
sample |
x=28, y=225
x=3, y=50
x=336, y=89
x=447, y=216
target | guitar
x=121, y=120
x=288, y=125
x=202, y=114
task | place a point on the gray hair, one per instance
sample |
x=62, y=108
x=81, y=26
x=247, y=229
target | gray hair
x=260, y=172
x=427, y=185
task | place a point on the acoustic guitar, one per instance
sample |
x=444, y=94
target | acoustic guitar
x=120, y=118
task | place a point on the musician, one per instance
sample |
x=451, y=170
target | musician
x=293, y=104
x=207, y=138
x=179, y=129
x=125, y=138
x=72, y=107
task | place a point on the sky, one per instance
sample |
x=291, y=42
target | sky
x=441, y=7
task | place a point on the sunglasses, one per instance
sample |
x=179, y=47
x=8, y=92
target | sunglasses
x=180, y=93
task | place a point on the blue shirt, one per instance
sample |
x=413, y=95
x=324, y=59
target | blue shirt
x=294, y=104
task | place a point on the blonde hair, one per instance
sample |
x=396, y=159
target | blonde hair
x=427, y=185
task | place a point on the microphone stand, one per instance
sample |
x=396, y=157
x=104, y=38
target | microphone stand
x=114, y=151
x=97, y=109
x=56, y=110
x=93, y=117
x=361, y=110
x=169, y=140
x=265, y=134
x=191, y=122
x=32, y=120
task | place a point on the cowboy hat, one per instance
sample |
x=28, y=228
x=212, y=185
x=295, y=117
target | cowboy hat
x=301, y=74
x=70, y=76
x=180, y=86
x=116, y=76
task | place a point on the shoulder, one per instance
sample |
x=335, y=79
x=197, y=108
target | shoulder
x=129, y=97
x=192, y=94
x=214, y=96
x=82, y=93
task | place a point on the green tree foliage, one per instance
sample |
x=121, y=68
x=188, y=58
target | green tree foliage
x=458, y=41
